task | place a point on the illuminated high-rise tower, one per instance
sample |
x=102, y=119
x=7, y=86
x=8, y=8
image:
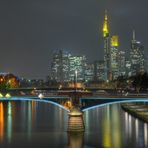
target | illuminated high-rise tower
x=106, y=48
x=136, y=56
x=60, y=66
x=114, y=56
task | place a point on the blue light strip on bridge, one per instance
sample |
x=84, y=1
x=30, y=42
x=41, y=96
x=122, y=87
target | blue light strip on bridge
x=125, y=101
x=31, y=99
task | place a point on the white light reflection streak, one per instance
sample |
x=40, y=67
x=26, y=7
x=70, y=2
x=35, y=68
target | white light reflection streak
x=126, y=123
x=137, y=128
x=145, y=134
x=9, y=122
x=29, y=124
x=87, y=119
x=130, y=125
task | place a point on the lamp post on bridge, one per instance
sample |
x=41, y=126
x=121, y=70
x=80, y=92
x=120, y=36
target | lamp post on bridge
x=75, y=96
x=75, y=120
x=76, y=77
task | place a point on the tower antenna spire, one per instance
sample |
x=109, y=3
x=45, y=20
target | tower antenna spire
x=134, y=35
x=105, y=14
x=105, y=25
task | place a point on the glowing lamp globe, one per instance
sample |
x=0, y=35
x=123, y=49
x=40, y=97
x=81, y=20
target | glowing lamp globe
x=1, y=95
x=41, y=96
x=8, y=95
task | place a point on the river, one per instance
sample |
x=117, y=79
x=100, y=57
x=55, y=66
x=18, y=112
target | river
x=28, y=124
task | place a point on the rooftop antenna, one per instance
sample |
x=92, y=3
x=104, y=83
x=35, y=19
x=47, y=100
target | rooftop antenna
x=134, y=35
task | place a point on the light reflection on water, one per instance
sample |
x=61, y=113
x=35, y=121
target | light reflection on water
x=137, y=128
x=106, y=128
x=75, y=140
x=9, y=122
x=29, y=123
x=129, y=125
x=117, y=129
x=146, y=135
x=1, y=121
x=45, y=125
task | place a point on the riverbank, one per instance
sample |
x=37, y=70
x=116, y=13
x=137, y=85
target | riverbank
x=137, y=110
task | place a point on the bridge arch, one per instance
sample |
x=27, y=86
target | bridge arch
x=115, y=102
x=31, y=99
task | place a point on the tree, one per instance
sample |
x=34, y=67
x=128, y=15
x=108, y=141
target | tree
x=4, y=86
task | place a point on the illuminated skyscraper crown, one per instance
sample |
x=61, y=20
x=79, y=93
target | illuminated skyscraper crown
x=105, y=26
x=114, y=41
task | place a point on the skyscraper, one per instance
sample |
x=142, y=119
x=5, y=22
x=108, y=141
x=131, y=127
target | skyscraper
x=128, y=67
x=99, y=74
x=60, y=66
x=77, y=63
x=136, y=56
x=122, y=63
x=89, y=72
x=146, y=64
x=106, y=48
x=64, y=66
x=114, y=56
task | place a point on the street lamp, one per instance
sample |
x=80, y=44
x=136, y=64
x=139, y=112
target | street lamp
x=76, y=75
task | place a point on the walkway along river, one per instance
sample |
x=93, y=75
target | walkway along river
x=139, y=110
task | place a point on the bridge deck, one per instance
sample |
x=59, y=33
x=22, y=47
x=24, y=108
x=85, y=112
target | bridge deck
x=84, y=102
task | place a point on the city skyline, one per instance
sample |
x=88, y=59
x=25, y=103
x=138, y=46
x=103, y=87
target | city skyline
x=31, y=30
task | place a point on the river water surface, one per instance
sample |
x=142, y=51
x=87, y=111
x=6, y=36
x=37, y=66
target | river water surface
x=30, y=124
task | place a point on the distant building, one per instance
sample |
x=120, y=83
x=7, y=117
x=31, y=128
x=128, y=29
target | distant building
x=60, y=66
x=99, y=71
x=89, y=72
x=32, y=82
x=114, y=56
x=136, y=56
x=122, y=63
x=146, y=64
x=77, y=63
x=128, y=68
x=64, y=66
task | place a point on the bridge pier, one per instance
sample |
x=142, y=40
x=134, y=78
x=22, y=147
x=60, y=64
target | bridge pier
x=75, y=121
x=75, y=140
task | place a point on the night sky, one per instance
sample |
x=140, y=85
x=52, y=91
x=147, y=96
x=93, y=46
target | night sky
x=31, y=29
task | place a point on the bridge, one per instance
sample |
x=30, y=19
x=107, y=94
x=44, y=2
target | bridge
x=85, y=103
x=57, y=101
x=91, y=103
x=75, y=104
